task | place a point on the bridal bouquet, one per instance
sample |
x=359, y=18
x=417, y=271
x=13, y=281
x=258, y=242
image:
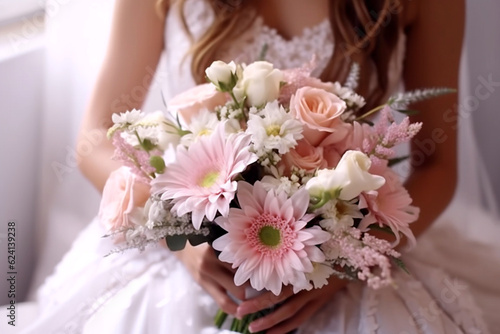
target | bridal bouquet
x=276, y=169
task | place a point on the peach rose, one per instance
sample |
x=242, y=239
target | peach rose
x=190, y=102
x=304, y=156
x=319, y=110
x=122, y=196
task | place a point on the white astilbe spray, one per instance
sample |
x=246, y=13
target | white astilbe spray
x=161, y=222
x=402, y=100
x=352, y=80
x=352, y=100
x=230, y=112
x=288, y=185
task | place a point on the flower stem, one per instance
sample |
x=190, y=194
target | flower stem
x=324, y=199
x=239, y=105
x=371, y=112
x=220, y=317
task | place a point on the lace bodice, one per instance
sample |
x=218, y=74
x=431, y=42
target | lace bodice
x=316, y=41
x=283, y=53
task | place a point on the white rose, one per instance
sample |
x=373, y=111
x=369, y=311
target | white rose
x=351, y=177
x=260, y=84
x=222, y=75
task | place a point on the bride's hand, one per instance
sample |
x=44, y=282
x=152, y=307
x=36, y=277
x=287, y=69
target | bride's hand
x=214, y=276
x=295, y=310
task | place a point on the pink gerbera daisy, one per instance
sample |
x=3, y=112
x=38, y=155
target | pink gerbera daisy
x=391, y=206
x=201, y=179
x=267, y=240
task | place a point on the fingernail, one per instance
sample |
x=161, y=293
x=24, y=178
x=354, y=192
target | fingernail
x=253, y=327
x=241, y=311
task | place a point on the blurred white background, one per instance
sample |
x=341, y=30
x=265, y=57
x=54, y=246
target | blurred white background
x=50, y=53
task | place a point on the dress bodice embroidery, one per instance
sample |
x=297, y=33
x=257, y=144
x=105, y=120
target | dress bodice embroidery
x=316, y=41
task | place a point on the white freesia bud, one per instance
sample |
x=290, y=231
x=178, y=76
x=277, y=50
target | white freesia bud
x=260, y=84
x=222, y=75
x=348, y=180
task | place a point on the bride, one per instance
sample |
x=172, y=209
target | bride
x=417, y=43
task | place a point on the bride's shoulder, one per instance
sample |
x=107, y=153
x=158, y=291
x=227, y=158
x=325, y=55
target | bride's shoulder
x=423, y=10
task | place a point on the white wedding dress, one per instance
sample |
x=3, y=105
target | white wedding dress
x=151, y=292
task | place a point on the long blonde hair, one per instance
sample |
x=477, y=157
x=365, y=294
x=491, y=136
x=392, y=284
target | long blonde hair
x=365, y=32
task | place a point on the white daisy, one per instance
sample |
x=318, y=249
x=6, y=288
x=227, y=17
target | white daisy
x=204, y=124
x=273, y=128
x=339, y=214
x=331, y=249
x=127, y=118
x=153, y=128
x=320, y=274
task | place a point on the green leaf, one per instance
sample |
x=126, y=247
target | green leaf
x=197, y=239
x=158, y=163
x=370, y=123
x=400, y=264
x=263, y=52
x=176, y=242
x=147, y=145
x=408, y=112
x=395, y=161
x=384, y=229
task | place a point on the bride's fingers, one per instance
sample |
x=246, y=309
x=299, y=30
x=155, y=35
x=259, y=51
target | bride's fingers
x=228, y=266
x=283, y=313
x=226, y=279
x=289, y=323
x=220, y=296
x=266, y=300
x=217, y=272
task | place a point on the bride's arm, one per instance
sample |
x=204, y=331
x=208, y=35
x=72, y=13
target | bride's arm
x=134, y=49
x=434, y=42
x=433, y=58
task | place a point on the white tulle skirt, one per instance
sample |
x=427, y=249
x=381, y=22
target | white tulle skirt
x=454, y=287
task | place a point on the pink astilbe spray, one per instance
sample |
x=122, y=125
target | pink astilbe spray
x=136, y=159
x=364, y=254
x=390, y=134
x=301, y=77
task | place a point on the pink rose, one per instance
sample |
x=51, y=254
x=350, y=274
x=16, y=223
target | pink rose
x=304, y=156
x=190, y=102
x=356, y=136
x=319, y=110
x=346, y=137
x=301, y=77
x=121, y=195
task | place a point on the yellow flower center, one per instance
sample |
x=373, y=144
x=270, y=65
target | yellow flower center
x=270, y=236
x=204, y=132
x=273, y=130
x=209, y=179
x=342, y=209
